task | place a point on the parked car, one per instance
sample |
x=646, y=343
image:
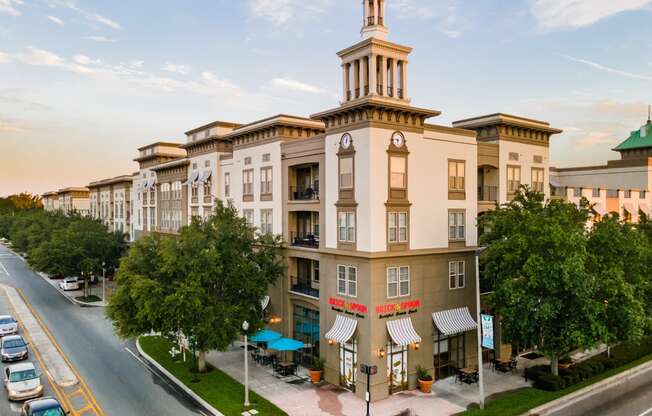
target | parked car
x=13, y=348
x=8, y=325
x=70, y=283
x=23, y=382
x=45, y=406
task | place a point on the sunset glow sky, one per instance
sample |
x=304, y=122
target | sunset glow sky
x=83, y=84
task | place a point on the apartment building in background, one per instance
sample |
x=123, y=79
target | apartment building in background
x=621, y=186
x=110, y=202
x=74, y=200
x=50, y=201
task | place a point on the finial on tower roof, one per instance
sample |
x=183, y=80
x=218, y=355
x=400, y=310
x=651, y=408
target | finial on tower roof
x=648, y=115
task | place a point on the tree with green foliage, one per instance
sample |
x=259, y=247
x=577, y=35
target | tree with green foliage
x=203, y=283
x=536, y=257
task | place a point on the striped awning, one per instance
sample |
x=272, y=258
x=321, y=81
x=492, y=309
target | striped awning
x=149, y=184
x=205, y=175
x=264, y=302
x=194, y=177
x=402, y=332
x=599, y=209
x=554, y=181
x=454, y=321
x=645, y=208
x=629, y=208
x=342, y=329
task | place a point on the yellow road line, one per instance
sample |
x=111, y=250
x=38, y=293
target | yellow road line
x=86, y=391
x=57, y=390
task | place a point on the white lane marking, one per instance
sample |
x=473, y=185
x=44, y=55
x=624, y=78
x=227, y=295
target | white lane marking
x=152, y=371
x=3, y=268
x=647, y=412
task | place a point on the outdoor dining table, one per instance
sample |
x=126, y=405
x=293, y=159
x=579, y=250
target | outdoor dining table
x=503, y=365
x=468, y=375
x=286, y=368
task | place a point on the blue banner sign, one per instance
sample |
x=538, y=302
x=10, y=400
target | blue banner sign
x=487, y=322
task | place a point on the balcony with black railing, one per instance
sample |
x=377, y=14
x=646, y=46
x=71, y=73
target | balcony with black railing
x=304, y=286
x=488, y=193
x=304, y=239
x=308, y=192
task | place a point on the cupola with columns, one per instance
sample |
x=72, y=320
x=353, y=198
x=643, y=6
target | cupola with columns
x=375, y=67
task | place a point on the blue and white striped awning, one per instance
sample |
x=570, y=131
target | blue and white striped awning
x=205, y=176
x=454, y=321
x=194, y=177
x=402, y=332
x=342, y=329
x=264, y=303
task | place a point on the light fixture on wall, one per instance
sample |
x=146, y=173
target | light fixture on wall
x=330, y=342
x=275, y=320
x=416, y=345
x=381, y=352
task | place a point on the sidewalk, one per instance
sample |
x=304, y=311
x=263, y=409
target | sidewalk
x=73, y=294
x=304, y=399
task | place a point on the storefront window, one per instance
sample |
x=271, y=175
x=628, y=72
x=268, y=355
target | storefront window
x=397, y=364
x=306, y=330
x=448, y=354
x=348, y=364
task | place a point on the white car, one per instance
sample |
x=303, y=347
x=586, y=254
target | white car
x=70, y=283
x=23, y=382
x=8, y=325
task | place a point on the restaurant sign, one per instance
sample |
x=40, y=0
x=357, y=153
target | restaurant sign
x=350, y=308
x=389, y=310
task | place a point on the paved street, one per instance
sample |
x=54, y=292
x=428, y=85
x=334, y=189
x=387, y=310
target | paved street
x=121, y=383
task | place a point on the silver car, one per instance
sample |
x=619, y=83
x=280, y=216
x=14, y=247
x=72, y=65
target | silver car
x=8, y=325
x=22, y=382
x=13, y=348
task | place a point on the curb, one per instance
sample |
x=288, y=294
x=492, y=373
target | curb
x=589, y=391
x=176, y=381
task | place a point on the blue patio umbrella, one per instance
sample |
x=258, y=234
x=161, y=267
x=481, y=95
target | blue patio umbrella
x=285, y=344
x=265, y=335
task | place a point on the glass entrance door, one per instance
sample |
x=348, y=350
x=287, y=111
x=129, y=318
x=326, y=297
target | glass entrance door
x=448, y=354
x=397, y=364
x=348, y=364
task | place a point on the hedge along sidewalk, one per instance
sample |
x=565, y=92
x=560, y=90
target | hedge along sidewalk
x=217, y=389
x=521, y=401
x=626, y=376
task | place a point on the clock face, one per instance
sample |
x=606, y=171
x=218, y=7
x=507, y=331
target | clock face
x=398, y=139
x=345, y=141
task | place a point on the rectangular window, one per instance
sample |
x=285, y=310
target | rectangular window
x=456, y=226
x=266, y=157
x=456, y=274
x=227, y=184
x=194, y=212
x=194, y=192
x=513, y=156
x=397, y=225
x=247, y=160
x=207, y=190
x=641, y=194
x=265, y=181
x=627, y=193
x=207, y=163
x=248, y=215
x=537, y=179
x=577, y=192
x=346, y=226
x=347, y=281
x=152, y=217
x=537, y=159
x=513, y=179
x=398, y=281
x=266, y=221
x=456, y=171
x=346, y=173
x=248, y=182
x=595, y=192
x=398, y=170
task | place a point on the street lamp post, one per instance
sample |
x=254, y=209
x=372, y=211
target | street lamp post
x=477, y=305
x=245, y=327
x=103, y=282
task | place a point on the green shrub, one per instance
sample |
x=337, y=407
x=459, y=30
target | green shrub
x=549, y=382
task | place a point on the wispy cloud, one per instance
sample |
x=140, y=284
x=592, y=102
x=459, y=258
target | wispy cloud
x=9, y=7
x=289, y=84
x=15, y=97
x=444, y=12
x=10, y=126
x=56, y=20
x=99, y=39
x=176, y=68
x=85, y=60
x=89, y=15
x=281, y=12
x=610, y=70
x=556, y=14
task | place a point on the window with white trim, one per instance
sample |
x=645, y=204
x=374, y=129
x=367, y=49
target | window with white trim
x=397, y=227
x=346, y=173
x=346, y=226
x=456, y=225
x=248, y=182
x=513, y=179
x=456, y=279
x=227, y=184
x=398, y=172
x=266, y=221
x=347, y=281
x=398, y=281
x=537, y=179
x=266, y=180
x=248, y=215
x=456, y=172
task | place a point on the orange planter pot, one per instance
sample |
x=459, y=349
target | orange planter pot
x=315, y=376
x=425, y=386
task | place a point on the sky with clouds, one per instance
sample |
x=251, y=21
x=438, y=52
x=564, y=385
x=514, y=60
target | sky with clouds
x=83, y=83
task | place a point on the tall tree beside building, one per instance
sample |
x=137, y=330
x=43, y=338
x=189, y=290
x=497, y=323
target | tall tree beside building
x=204, y=283
x=536, y=256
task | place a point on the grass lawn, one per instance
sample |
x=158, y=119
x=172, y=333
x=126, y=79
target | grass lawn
x=217, y=388
x=520, y=401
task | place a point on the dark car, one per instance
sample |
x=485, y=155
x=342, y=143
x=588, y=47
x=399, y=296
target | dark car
x=13, y=348
x=45, y=406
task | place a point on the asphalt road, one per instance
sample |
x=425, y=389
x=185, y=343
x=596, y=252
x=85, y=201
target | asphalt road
x=122, y=384
x=632, y=398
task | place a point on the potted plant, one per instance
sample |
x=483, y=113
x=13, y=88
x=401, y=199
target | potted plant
x=425, y=380
x=316, y=370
